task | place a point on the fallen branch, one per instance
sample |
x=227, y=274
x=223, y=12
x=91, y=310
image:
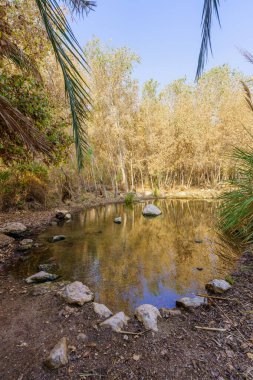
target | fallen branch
x=210, y=328
x=217, y=298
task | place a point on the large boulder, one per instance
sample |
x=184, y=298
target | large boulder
x=77, y=293
x=41, y=277
x=14, y=229
x=5, y=240
x=116, y=322
x=147, y=314
x=189, y=303
x=151, y=210
x=102, y=310
x=58, y=356
x=218, y=286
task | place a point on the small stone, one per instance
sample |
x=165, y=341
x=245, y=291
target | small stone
x=58, y=356
x=116, y=322
x=147, y=314
x=118, y=220
x=136, y=357
x=166, y=313
x=188, y=302
x=14, y=229
x=56, y=238
x=199, y=268
x=102, y=310
x=77, y=293
x=81, y=337
x=250, y=355
x=26, y=241
x=125, y=337
x=67, y=216
x=151, y=210
x=198, y=241
x=41, y=277
x=218, y=286
x=25, y=245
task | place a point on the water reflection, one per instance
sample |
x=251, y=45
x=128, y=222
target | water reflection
x=142, y=260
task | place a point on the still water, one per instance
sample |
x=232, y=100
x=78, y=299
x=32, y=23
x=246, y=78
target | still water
x=142, y=260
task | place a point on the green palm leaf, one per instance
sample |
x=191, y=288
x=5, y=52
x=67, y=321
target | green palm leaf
x=209, y=7
x=68, y=51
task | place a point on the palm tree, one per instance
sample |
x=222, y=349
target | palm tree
x=67, y=51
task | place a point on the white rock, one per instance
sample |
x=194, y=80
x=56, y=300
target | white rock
x=147, y=314
x=218, y=286
x=68, y=216
x=41, y=276
x=116, y=322
x=118, y=220
x=151, y=210
x=102, y=310
x=26, y=241
x=188, y=302
x=60, y=214
x=77, y=293
x=13, y=228
x=166, y=313
x=59, y=355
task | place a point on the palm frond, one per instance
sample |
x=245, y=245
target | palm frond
x=209, y=7
x=68, y=51
x=81, y=6
x=10, y=50
x=248, y=97
x=16, y=124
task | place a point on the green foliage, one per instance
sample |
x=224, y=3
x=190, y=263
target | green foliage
x=129, y=198
x=230, y=279
x=236, y=211
x=156, y=192
x=32, y=99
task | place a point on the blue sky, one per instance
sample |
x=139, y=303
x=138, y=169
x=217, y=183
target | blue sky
x=166, y=34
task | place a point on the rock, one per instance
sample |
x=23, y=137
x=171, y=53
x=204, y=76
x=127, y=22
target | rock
x=58, y=357
x=77, y=293
x=5, y=240
x=48, y=267
x=218, y=286
x=199, y=268
x=14, y=229
x=81, y=337
x=198, y=241
x=60, y=214
x=166, y=313
x=147, y=314
x=116, y=322
x=151, y=210
x=188, y=302
x=102, y=310
x=67, y=216
x=118, y=220
x=25, y=245
x=41, y=277
x=26, y=241
x=125, y=337
x=56, y=238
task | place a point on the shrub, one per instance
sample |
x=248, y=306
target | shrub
x=129, y=198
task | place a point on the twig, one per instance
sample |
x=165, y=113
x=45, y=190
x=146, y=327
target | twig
x=217, y=298
x=210, y=328
x=132, y=333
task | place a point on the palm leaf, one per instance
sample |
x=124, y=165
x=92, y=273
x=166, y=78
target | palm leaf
x=68, y=51
x=15, y=123
x=210, y=7
x=81, y=6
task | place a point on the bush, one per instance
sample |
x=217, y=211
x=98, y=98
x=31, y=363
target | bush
x=129, y=198
x=236, y=211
